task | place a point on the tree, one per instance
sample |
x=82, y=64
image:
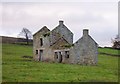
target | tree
x=116, y=42
x=26, y=34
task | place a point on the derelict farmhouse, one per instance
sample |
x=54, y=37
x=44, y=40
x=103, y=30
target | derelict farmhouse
x=57, y=46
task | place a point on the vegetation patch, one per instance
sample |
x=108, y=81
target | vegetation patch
x=46, y=34
x=67, y=45
x=27, y=57
x=17, y=69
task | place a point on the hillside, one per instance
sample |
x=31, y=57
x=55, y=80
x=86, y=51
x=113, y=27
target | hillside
x=18, y=66
x=109, y=51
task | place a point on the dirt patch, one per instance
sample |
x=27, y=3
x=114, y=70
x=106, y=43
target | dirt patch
x=30, y=57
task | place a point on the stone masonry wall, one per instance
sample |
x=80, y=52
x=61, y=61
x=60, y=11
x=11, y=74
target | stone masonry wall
x=64, y=31
x=85, y=51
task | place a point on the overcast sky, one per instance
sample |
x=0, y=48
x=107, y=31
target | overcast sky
x=101, y=18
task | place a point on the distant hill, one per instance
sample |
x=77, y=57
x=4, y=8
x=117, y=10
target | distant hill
x=6, y=39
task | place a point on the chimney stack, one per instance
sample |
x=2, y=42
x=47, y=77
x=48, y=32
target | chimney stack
x=85, y=32
x=60, y=22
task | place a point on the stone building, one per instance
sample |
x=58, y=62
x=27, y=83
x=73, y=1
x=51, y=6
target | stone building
x=57, y=46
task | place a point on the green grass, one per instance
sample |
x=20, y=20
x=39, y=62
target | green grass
x=18, y=69
x=108, y=51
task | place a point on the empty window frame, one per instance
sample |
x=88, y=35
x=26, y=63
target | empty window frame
x=56, y=55
x=36, y=51
x=41, y=41
x=67, y=54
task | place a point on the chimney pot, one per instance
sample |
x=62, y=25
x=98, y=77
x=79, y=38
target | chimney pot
x=85, y=32
x=60, y=22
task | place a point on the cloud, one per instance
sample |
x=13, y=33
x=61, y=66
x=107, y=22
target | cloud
x=99, y=18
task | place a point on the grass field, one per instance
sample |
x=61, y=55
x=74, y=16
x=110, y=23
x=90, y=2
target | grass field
x=18, y=69
x=108, y=51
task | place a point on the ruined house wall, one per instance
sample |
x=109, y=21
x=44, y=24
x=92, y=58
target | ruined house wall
x=46, y=50
x=60, y=46
x=36, y=42
x=61, y=57
x=72, y=59
x=85, y=51
x=54, y=37
x=64, y=31
x=36, y=45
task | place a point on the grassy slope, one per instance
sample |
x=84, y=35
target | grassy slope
x=109, y=51
x=18, y=69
